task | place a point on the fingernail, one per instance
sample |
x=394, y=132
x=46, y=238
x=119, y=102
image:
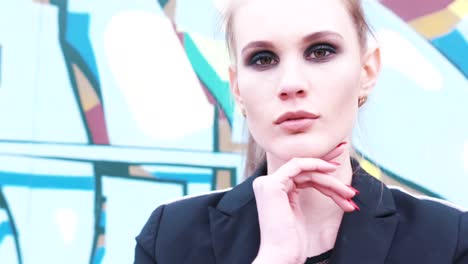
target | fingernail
x=354, y=189
x=354, y=204
x=335, y=163
x=341, y=144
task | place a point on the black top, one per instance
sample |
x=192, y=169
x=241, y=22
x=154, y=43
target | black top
x=323, y=258
x=391, y=227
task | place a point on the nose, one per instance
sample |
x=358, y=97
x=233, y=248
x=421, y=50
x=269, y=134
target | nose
x=292, y=85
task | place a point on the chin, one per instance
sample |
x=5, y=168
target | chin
x=287, y=150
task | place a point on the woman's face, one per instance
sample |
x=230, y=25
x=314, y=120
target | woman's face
x=298, y=74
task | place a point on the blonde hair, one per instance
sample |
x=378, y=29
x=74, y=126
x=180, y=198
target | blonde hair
x=354, y=7
x=255, y=154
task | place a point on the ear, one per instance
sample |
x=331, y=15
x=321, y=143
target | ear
x=235, y=86
x=370, y=71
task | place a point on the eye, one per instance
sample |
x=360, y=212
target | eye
x=263, y=59
x=320, y=52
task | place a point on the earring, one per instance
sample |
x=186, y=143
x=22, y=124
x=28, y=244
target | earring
x=243, y=112
x=362, y=100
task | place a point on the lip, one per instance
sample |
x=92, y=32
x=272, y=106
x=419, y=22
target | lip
x=292, y=116
x=296, y=122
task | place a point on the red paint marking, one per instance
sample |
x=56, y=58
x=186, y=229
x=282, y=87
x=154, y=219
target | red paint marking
x=96, y=123
x=412, y=9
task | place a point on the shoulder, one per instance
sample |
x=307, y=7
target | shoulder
x=407, y=203
x=177, y=217
x=423, y=215
x=186, y=222
x=193, y=204
x=461, y=254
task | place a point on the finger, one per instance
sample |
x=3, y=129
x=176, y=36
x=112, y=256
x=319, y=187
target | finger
x=326, y=181
x=337, y=151
x=342, y=202
x=298, y=165
x=271, y=198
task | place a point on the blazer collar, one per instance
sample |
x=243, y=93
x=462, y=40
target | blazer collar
x=364, y=236
x=242, y=194
x=234, y=225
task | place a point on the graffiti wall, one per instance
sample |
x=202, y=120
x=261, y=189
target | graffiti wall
x=110, y=108
x=414, y=124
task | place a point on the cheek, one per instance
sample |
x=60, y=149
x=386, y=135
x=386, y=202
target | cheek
x=345, y=94
x=256, y=91
x=258, y=97
x=341, y=107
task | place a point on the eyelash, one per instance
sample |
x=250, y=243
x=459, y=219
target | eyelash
x=256, y=57
x=329, y=49
x=321, y=47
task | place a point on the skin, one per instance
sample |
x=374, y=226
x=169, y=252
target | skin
x=300, y=55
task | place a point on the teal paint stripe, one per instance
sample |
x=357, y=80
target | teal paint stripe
x=129, y=155
x=189, y=177
x=84, y=183
x=102, y=221
x=454, y=47
x=163, y=3
x=100, y=252
x=11, y=226
x=77, y=35
x=217, y=87
x=46, y=181
x=5, y=230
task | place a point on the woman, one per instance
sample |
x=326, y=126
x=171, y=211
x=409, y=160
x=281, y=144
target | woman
x=300, y=71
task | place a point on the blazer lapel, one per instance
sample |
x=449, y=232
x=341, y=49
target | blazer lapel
x=234, y=224
x=365, y=236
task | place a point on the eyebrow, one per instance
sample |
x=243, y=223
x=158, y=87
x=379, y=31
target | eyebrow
x=311, y=37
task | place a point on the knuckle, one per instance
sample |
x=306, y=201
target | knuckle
x=260, y=183
x=266, y=184
x=257, y=183
x=295, y=162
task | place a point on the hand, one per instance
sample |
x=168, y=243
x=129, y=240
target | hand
x=282, y=222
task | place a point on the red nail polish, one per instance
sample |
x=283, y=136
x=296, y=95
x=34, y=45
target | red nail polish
x=335, y=163
x=354, y=204
x=354, y=189
x=341, y=144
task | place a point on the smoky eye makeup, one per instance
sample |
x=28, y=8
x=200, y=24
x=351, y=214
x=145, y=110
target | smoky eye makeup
x=261, y=59
x=318, y=51
x=321, y=51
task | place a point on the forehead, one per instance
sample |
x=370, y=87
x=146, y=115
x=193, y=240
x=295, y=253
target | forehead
x=286, y=20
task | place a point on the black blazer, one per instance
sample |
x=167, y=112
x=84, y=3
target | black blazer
x=391, y=227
